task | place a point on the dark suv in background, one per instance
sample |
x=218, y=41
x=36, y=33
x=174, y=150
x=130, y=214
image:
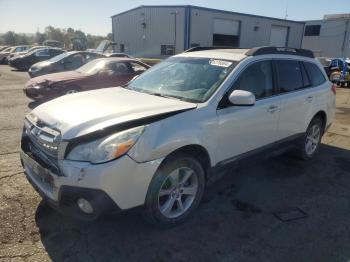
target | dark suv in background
x=64, y=62
x=24, y=62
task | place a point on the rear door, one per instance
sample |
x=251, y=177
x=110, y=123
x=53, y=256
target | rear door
x=245, y=128
x=298, y=98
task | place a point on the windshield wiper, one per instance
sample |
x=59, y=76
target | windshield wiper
x=168, y=96
x=159, y=94
x=126, y=86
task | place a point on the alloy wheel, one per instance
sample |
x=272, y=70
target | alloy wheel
x=71, y=92
x=178, y=192
x=312, y=139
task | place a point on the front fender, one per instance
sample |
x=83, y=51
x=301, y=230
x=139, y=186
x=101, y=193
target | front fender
x=164, y=137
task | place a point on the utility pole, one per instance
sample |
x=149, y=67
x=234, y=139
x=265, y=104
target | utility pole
x=175, y=14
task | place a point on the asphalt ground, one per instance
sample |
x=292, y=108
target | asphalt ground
x=236, y=221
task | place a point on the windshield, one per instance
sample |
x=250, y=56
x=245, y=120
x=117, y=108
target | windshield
x=59, y=57
x=34, y=48
x=188, y=78
x=92, y=67
x=7, y=49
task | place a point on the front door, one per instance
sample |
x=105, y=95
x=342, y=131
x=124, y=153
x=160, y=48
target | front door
x=244, y=128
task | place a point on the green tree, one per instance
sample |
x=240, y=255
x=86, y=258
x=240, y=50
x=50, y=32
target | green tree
x=110, y=36
x=54, y=33
x=76, y=39
x=10, y=38
x=40, y=38
x=22, y=40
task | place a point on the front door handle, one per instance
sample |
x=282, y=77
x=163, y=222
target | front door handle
x=309, y=99
x=272, y=109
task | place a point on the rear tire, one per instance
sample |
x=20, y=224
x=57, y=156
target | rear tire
x=175, y=191
x=311, y=140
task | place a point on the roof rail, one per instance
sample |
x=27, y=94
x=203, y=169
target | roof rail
x=205, y=48
x=268, y=50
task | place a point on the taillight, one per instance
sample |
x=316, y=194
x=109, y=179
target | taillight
x=334, y=88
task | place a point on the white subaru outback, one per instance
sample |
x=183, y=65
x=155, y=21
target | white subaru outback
x=157, y=141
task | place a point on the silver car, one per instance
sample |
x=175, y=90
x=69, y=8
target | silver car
x=158, y=141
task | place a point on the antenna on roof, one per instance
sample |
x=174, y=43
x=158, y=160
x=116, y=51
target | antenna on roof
x=286, y=16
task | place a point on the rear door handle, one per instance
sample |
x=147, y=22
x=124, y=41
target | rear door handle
x=272, y=109
x=309, y=98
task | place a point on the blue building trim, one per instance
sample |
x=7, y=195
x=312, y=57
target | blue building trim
x=189, y=27
x=186, y=29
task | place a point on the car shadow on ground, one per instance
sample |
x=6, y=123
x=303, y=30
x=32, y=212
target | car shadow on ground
x=34, y=104
x=18, y=70
x=231, y=222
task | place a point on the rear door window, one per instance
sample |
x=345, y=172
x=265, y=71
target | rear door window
x=43, y=53
x=289, y=75
x=119, y=68
x=89, y=57
x=54, y=52
x=74, y=61
x=316, y=76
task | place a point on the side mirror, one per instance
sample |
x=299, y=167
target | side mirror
x=242, y=98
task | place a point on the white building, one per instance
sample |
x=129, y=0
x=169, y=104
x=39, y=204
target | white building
x=157, y=31
x=329, y=37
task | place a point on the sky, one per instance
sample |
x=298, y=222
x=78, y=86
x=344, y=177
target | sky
x=93, y=16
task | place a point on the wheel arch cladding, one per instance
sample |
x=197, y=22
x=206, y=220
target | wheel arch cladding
x=323, y=116
x=196, y=151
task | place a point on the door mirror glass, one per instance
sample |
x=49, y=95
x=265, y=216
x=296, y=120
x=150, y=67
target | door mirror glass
x=242, y=98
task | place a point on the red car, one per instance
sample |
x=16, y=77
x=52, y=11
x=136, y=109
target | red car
x=99, y=73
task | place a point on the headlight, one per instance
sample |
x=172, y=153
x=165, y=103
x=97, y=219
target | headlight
x=37, y=86
x=106, y=148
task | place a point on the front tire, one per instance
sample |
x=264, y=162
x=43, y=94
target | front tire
x=175, y=191
x=71, y=90
x=312, y=139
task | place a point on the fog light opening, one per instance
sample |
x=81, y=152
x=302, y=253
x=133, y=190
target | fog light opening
x=85, y=206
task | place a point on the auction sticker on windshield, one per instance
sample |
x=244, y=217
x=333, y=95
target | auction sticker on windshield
x=221, y=63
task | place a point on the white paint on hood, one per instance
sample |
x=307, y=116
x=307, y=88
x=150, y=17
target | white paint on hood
x=82, y=113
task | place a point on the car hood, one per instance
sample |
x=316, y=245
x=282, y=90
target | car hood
x=86, y=112
x=42, y=64
x=56, y=77
x=17, y=54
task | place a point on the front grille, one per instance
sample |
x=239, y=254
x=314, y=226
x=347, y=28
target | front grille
x=41, y=142
x=42, y=136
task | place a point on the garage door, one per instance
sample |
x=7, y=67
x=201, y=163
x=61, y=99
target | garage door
x=226, y=33
x=226, y=27
x=279, y=35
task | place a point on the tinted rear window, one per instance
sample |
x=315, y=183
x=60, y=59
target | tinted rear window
x=315, y=74
x=289, y=75
x=306, y=78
